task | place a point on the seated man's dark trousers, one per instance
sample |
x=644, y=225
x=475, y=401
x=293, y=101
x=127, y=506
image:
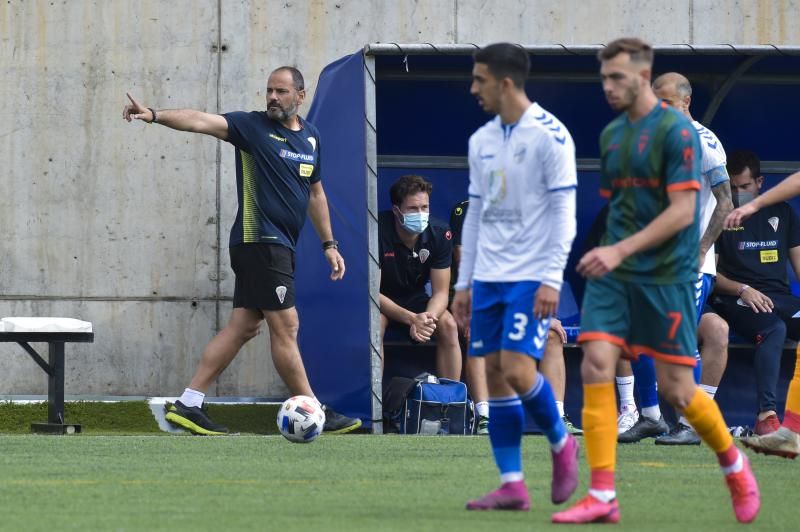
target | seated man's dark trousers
x=769, y=332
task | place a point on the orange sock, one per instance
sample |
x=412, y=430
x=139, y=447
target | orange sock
x=791, y=418
x=704, y=415
x=600, y=433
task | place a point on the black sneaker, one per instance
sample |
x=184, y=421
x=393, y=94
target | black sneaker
x=483, y=426
x=336, y=423
x=194, y=419
x=644, y=428
x=679, y=435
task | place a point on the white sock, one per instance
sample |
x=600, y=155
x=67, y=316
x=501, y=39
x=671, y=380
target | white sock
x=560, y=407
x=652, y=412
x=513, y=476
x=482, y=408
x=710, y=390
x=192, y=398
x=625, y=389
x=557, y=446
x=737, y=466
x=603, y=495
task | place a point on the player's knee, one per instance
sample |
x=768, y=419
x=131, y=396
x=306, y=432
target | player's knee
x=447, y=329
x=678, y=396
x=285, y=331
x=244, y=330
x=595, y=367
x=493, y=367
x=717, y=333
x=775, y=329
x=677, y=386
x=249, y=332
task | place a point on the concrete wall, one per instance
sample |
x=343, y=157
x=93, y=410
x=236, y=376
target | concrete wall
x=126, y=225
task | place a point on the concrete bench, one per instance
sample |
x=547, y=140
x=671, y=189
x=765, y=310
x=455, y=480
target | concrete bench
x=39, y=330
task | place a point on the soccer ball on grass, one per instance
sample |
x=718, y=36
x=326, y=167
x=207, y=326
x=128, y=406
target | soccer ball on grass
x=300, y=419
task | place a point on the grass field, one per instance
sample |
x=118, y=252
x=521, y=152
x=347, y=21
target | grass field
x=355, y=482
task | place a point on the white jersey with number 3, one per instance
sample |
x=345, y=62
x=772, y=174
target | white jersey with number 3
x=515, y=171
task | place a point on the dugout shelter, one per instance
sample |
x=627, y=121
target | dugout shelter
x=392, y=109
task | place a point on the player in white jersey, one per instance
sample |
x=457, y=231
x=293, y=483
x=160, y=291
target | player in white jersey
x=516, y=238
x=715, y=203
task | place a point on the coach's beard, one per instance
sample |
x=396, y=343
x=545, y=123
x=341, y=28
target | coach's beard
x=276, y=112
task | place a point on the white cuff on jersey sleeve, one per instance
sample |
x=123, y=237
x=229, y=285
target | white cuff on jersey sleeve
x=469, y=243
x=562, y=233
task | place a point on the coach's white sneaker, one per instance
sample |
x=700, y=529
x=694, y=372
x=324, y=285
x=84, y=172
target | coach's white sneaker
x=628, y=417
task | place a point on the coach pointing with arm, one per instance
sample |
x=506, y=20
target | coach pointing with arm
x=278, y=171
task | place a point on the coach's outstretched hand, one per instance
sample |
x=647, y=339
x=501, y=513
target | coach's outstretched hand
x=599, y=261
x=135, y=111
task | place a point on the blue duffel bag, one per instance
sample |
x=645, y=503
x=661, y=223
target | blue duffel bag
x=436, y=406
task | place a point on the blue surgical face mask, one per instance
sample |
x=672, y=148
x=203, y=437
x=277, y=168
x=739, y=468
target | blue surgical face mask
x=415, y=222
x=742, y=197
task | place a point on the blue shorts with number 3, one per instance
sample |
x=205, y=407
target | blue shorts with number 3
x=502, y=318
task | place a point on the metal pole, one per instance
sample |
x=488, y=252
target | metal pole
x=375, y=340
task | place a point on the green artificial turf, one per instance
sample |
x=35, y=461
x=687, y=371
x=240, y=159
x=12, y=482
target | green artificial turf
x=127, y=417
x=132, y=417
x=362, y=482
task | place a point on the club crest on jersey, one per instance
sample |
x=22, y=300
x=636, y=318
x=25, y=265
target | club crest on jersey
x=519, y=154
x=643, y=139
x=423, y=255
x=313, y=142
x=774, y=221
x=281, y=293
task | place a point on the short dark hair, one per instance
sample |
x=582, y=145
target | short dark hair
x=408, y=185
x=505, y=60
x=297, y=78
x=740, y=159
x=640, y=51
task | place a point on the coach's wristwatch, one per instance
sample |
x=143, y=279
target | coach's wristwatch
x=328, y=244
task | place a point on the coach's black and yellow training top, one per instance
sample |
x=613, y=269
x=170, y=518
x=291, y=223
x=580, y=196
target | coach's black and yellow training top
x=275, y=167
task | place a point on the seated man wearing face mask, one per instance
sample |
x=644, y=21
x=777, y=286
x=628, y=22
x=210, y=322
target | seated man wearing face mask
x=415, y=249
x=752, y=292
